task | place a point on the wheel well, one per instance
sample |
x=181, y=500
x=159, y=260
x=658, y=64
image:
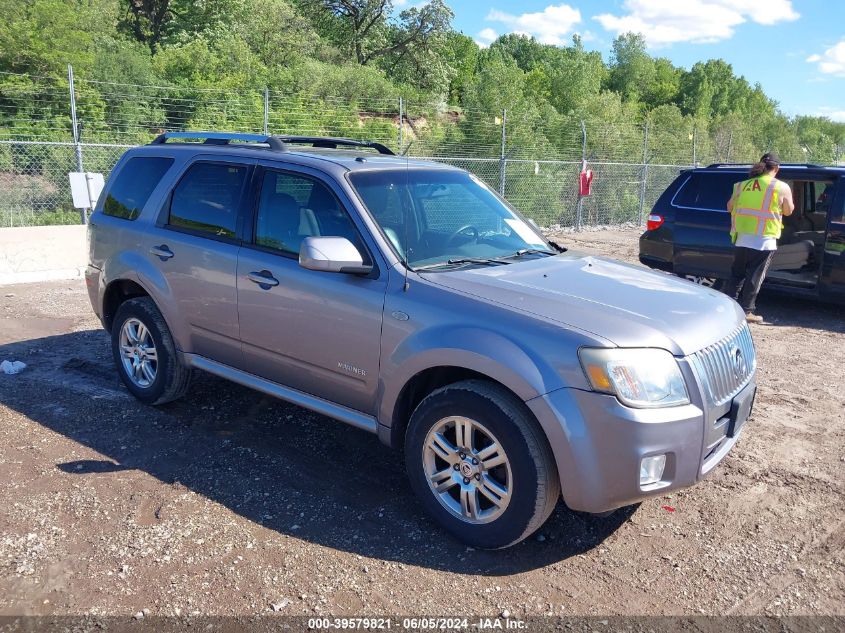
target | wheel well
x=419, y=387
x=116, y=293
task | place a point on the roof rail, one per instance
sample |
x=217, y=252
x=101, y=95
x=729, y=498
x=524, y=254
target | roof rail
x=221, y=138
x=793, y=165
x=277, y=143
x=331, y=142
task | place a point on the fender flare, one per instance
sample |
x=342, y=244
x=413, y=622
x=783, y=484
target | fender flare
x=481, y=350
x=131, y=266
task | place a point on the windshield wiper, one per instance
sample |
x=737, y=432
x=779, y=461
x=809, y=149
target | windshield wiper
x=476, y=260
x=527, y=251
x=464, y=260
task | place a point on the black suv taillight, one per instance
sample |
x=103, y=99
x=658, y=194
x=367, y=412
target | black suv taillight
x=654, y=222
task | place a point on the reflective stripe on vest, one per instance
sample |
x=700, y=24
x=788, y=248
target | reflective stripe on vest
x=757, y=210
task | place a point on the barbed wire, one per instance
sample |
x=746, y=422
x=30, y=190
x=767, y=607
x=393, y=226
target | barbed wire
x=539, y=157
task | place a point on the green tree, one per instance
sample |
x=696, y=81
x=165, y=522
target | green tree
x=665, y=85
x=277, y=33
x=525, y=50
x=368, y=27
x=147, y=20
x=576, y=76
x=415, y=48
x=632, y=70
x=461, y=53
x=42, y=37
x=154, y=22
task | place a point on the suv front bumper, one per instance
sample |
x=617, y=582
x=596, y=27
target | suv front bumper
x=599, y=444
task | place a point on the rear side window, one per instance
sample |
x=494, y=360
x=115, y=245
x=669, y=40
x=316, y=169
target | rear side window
x=707, y=191
x=206, y=200
x=134, y=185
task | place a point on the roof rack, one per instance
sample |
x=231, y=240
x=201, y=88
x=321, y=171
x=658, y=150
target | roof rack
x=221, y=138
x=791, y=165
x=277, y=143
x=331, y=142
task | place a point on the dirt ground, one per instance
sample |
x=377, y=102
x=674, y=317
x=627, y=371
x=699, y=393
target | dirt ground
x=229, y=502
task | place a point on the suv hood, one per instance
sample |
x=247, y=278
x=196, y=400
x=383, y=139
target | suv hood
x=629, y=305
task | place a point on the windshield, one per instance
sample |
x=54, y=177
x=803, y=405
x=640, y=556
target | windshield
x=435, y=217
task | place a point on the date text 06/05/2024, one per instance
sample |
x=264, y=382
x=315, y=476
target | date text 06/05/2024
x=417, y=624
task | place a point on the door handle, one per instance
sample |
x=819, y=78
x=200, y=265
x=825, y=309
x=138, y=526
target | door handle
x=162, y=252
x=264, y=279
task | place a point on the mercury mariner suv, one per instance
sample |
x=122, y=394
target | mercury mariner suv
x=408, y=299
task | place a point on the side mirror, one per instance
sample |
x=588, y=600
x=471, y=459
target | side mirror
x=331, y=255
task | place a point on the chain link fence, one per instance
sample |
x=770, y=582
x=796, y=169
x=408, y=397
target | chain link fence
x=34, y=185
x=50, y=127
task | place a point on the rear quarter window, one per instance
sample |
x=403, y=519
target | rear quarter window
x=133, y=186
x=707, y=191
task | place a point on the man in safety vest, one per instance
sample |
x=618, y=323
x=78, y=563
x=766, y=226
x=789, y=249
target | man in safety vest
x=757, y=207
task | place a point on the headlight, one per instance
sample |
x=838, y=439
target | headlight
x=638, y=377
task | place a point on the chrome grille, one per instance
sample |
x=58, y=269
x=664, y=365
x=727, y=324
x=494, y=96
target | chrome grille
x=726, y=366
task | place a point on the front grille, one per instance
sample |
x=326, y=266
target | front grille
x=726, y=366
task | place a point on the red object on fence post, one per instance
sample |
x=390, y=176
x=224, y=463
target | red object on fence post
x=585, y=180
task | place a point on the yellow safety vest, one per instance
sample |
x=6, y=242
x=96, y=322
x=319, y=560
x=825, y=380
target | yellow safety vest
x=756, y=209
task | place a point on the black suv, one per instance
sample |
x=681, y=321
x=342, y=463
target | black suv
x=688, y=231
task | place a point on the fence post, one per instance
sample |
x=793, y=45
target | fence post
x=266, y=111
x=694, y=141
x=502, y=159
x=579, y=210
x=644, y=176
x=401, y=138
x=75, y=129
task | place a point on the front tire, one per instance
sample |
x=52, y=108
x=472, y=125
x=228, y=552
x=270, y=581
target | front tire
x=480, y=464
x=145, y=354
x=707, y=282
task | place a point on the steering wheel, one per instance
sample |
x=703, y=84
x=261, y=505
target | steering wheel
x=461, y=231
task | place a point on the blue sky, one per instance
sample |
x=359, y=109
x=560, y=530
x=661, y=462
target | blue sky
x=794, y=48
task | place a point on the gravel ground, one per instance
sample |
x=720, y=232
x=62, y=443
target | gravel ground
x=229, y=502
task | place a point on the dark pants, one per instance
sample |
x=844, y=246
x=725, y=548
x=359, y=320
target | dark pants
x=747, y=274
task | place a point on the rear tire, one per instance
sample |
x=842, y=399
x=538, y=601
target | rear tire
x=480, y=464
x=145, y=354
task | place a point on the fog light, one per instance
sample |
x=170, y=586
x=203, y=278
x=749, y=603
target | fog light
x=651, y=469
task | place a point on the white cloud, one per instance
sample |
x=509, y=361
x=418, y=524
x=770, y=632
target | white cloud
x=832, y=61
x=552, y=25
x=832, y=114
x=664, y=22
x=485, y=37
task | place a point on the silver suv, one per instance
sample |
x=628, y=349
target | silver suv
x=408, y=299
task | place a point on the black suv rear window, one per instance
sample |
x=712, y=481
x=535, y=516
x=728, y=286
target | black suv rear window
x=707, y=191
x=207, y=198
x=134, y=185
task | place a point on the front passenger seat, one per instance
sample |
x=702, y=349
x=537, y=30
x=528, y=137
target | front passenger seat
x=279, y=221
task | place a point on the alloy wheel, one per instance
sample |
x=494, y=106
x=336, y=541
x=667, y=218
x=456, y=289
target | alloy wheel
x=701, y=281
x=138, y=353
x=467, y=469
